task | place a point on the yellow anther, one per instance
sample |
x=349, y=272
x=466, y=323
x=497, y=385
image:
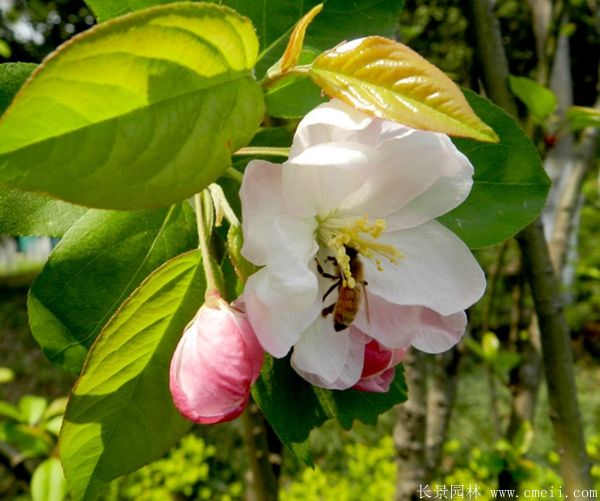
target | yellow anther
x=360, y=235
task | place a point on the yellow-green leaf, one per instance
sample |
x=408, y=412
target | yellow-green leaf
x=391, y=81
x=138, y=112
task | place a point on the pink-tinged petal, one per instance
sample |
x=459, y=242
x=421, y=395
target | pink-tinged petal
x=440, y=333
x=379, y=367
x=397, y=326
x=319, y=179
x=215, y=363
x=279, y=312
x=333, y=122
x=379, y=383
x=437, y=271
x=327, y=358
x=269, y=227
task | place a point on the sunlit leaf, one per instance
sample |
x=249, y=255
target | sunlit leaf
x=25, y=213
x=274, y=21
x=509, y=186
x=540, y=101
x=120, y=415
x=90, y=273
x=48, y=481
x=138, y=112
x=387, y=79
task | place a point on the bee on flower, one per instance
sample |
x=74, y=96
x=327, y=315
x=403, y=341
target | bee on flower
x=350, y=251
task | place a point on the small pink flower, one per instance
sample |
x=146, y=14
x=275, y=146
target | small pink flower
x=379, y=367
x=215, y=363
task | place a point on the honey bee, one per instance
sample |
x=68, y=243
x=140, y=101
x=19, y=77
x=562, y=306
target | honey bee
x=349, y=299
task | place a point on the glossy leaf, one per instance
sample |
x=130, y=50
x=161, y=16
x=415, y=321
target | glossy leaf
x=12, y=77
x=389, y=80
x=539, y=100
x=99, y=262
x=120, y=415
x=24, y=213
x=294, y=408
x=48, y=481
x=138, y=112
x=510, y=184
x=274, y=21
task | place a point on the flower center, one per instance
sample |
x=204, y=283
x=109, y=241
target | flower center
x=361, y=235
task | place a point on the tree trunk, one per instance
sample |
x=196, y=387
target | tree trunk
x=410, y=431
x=440, y=399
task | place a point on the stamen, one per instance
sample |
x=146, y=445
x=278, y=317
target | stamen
x=361, y=236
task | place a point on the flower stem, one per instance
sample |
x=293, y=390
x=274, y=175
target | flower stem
x=233, y=173
x=212, y=282
x=271, y=151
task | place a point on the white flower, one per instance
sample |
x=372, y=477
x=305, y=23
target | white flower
x=358, y=194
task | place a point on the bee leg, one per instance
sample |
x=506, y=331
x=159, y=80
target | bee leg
x=323, y=273
x=331, y=289
x=328, y=310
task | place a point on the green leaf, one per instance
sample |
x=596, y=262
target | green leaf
x=138, y=112
x=274, y=21
x=408, y=90
x=120, y=415
x=90, y=273
x=294, y=408
x=48, y=481
x=9, y=411
x=540, y=101
x=580, y=117
x=293, y=97
x=6, y=375
x=24, y=213
x=32, y=409
x=12, y=77
x=509, y=186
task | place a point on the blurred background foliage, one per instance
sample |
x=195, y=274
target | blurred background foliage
x=210, y=463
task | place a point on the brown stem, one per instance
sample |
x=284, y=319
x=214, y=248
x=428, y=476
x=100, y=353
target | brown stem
x=558, y=359
x=556, y=348
x=262, y=479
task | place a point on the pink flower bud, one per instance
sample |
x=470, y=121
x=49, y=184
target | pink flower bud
x=379, y=367
x=215, y=363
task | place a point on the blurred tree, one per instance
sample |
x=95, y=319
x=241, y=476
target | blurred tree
x=32, y=29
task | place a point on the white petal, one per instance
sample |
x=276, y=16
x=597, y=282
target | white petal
x=407, y=167
x=396, y=326
x=269, y=228
x=448, y=191
x=437, y=271
x=321, y=177
x=440, y=333
x=327, y=358
x=280, y=307
x=332, y=122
